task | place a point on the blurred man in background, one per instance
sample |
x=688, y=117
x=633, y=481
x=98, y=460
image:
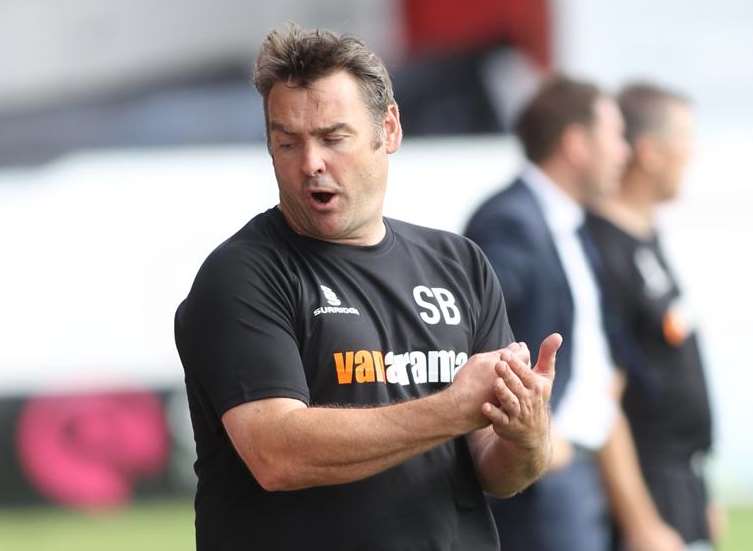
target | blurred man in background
x=665, y=399
x=319, y=343
x=532, y=232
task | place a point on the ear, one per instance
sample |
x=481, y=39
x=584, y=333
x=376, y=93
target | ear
x=393, y=131
x=574, y=144
x=646, y=154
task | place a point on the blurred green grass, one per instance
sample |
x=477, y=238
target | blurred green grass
x=739, y=534
x=168, y=526
x=163, y=526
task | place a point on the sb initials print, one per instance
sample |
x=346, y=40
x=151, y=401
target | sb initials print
x=436, y=304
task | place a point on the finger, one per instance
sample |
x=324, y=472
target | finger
x=518, y=349
x=495, y=415
x=525, y=352
x=547, y=355
x=513, y=348
x=512, y=381
x=521, y=370
x=506, y=398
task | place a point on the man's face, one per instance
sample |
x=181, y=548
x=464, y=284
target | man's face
x=608, y=150
x=330, y=159
x=673, y=146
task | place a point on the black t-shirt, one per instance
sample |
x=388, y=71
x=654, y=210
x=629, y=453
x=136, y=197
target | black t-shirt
x=275, y=314
x=666, y=399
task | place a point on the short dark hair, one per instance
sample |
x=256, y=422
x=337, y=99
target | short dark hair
x=559, y=102
x=644, y=108
x=298, y=57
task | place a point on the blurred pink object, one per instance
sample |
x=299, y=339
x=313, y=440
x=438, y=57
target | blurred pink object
x=88, y=450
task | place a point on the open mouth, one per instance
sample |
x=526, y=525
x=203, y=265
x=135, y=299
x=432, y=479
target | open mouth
x=322, y=197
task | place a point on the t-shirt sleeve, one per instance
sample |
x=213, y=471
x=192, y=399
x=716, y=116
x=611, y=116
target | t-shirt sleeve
x=236, y=330
x=493, y=328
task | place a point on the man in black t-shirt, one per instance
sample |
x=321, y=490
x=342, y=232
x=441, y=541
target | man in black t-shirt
x=319, y=343
x=665, y=397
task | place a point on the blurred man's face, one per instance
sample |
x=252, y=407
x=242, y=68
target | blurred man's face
x=608, y=150
x=330, y=159
x=673, y=147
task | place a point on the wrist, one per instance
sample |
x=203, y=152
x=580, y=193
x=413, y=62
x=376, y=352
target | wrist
x=534, y=458
x=456, y=411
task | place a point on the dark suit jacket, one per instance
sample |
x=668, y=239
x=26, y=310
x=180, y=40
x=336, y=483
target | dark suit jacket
x=511, y=229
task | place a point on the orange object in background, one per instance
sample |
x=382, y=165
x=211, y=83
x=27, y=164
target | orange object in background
x=674, y=327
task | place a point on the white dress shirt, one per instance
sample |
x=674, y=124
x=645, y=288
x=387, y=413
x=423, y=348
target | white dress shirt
x=586, y=414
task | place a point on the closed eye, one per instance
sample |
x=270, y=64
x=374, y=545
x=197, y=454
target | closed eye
x=333, y=140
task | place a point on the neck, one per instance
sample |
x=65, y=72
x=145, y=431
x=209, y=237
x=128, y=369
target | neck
x=372, y=236
x=368, y=235
x=563, y=178
x=633, y=207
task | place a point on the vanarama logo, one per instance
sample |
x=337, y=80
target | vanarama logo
x=334, y=304
x=374, y=366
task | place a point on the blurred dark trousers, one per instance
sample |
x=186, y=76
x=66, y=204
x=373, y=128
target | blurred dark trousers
x=564, y=511
x=678, y=489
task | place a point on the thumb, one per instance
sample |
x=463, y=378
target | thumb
x=547, y=355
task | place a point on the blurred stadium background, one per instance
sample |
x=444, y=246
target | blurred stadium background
x=131, y=143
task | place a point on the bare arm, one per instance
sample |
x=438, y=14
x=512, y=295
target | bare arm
x=631, y=503
x=504, y=468
x=516, y=449
x=289, y=446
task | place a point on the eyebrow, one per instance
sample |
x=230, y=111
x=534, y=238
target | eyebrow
x=273, y=125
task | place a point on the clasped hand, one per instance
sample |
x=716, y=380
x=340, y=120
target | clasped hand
x=501, y=389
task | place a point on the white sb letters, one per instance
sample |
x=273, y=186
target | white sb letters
x=437, y=304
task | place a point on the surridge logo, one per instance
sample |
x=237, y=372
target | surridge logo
x=330, y=295
x=334, y=304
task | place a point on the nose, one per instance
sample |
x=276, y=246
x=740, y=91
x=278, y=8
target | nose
x=313, y=163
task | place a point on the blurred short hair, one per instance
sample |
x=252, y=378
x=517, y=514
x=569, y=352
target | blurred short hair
x=299, y=57
x=560, y=102
x=644, y=108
